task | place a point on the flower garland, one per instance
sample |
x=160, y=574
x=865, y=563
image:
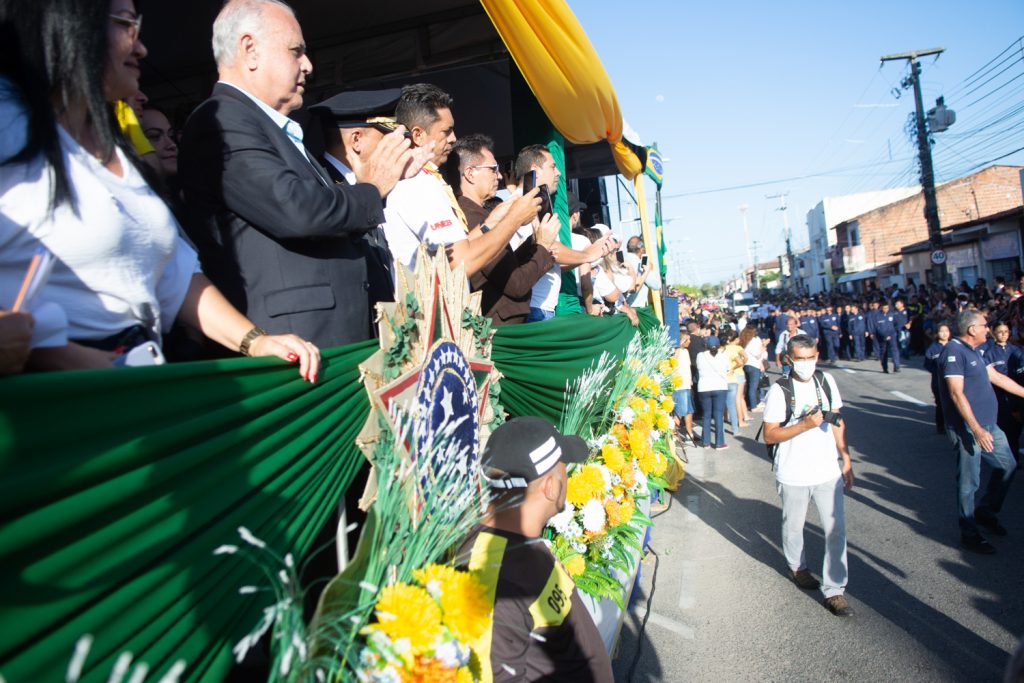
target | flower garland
x=601, y=530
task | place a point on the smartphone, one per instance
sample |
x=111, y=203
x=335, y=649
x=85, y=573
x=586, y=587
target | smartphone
x=643, y=261
x=620, y=257
x=545, y=201
x=146, y=353
x=529, y=181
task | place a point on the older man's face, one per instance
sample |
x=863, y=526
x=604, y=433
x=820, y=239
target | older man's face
x=282, y=64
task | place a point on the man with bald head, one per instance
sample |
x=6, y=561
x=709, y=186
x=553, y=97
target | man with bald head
x=273, y=231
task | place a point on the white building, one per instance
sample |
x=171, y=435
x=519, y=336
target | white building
x=827, y=214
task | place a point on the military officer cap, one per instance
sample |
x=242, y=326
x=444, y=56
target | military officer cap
x=361, y=108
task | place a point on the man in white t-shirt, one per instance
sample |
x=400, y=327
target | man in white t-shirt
x=807, y=467
x=423, y=209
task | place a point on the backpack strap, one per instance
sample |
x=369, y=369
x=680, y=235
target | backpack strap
x=819, y=377
x=786, y=384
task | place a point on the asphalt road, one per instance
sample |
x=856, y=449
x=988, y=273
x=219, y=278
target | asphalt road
x=723, y=608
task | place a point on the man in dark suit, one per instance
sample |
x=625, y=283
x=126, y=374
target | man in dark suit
x=273, y=231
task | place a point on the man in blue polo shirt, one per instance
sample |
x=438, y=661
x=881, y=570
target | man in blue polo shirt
x=970, y=409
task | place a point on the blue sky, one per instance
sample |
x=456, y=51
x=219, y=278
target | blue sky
x=748, y=92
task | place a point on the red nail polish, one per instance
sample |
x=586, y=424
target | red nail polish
x=292, y=357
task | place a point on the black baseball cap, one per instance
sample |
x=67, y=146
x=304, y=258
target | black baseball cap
x=575, y=204
x=361, y=108
x=526, y=448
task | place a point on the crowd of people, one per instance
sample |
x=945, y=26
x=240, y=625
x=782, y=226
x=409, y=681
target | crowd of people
x=233, y=231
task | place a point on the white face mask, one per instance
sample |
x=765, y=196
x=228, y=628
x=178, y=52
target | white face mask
x=804, y=369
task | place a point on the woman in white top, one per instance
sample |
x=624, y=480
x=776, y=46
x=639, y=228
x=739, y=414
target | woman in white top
x=712, y=387
x=757, y=357
x=122, y=273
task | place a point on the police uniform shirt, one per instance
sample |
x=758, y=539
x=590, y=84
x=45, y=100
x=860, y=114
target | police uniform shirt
x=931, y=357
x=960, y=360
x=885, y=325
x=857, y=324
x=540, y=628
x=996, y=355
x=418, y=211
x=809, y=325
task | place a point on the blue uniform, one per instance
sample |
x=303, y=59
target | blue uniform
x=809, y=325
x=826, y=323
x=932, y=358
x=870, y=318
x=885, y=340
x=902, y=333
x=998, y=357
x=857, y=327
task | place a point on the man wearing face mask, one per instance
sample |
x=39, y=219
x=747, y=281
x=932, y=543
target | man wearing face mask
x=801, y=416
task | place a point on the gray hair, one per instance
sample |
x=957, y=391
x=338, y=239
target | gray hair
x=964, y=320
x=236, y=18
x=799, y=341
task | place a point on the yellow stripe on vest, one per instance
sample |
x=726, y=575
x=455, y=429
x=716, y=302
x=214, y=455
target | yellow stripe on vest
x=485, y=562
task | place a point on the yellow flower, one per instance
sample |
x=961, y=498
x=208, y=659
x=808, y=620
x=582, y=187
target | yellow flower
x=636, y=403
x=662, y=421
x=586, y=483
x=620, y=432
x=639, y=439
x=464, y=675
x=405, y=611
x=576, y=566
x=626, y=509
x=652, y=405
x=613, y=458
x=665, y=367
x=430, y=670
x=667, y=404
x=677, y=381
x=463, y=599
x=673, y=363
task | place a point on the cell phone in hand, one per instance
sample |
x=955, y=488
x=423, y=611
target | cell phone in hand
x=620, y=257
x=643, y=261
x=545, y=201
x=529, y=181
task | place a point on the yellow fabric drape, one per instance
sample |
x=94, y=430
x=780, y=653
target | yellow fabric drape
x=564, y=72
x=648, y=237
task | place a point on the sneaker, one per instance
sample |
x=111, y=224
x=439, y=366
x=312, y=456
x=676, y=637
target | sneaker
x=977, y=544
x=838, y=606
x=758, y=409
x=803, y=579
x=721, y=447
x=990, y=523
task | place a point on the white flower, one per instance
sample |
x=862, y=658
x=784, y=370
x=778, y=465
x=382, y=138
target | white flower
x=451, y=654
x=248, y=590
x=563, y=519
x=283, y=576
x=249, y=538
x=593, y=516
x=574, y=530
x=226, y=550
x=289, y=561
x=655, y=435
x=616, y=479
x=626, y=416
x=641, y=481
x=606, y=474
x=579, y=547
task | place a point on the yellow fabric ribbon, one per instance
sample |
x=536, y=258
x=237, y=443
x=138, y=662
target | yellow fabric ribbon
x=459, y=213
x=564, y=72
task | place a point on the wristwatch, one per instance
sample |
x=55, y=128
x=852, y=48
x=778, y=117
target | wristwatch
x=247, y=340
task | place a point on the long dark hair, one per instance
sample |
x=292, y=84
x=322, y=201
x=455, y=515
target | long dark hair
x=55, y=52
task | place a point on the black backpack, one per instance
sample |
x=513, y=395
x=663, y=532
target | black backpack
x=786, y=384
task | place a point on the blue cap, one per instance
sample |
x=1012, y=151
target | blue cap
x=712, y=342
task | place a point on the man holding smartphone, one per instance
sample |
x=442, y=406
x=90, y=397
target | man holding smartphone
x=536, y=167
x=648, y=279
x=801, y=417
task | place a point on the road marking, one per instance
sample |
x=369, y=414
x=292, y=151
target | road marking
x=688, y=586
x=665, y=622
x=910, y=399
x=852, y=372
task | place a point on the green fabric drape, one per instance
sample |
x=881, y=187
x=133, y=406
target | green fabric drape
x=116, y=486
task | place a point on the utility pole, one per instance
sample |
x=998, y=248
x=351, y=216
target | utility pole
x=746, y=232
x=924, y=150
x=754, y=276
x=785, y=221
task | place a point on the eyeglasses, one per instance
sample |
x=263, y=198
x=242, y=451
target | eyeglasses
x=493, y=167
x=133, y=24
